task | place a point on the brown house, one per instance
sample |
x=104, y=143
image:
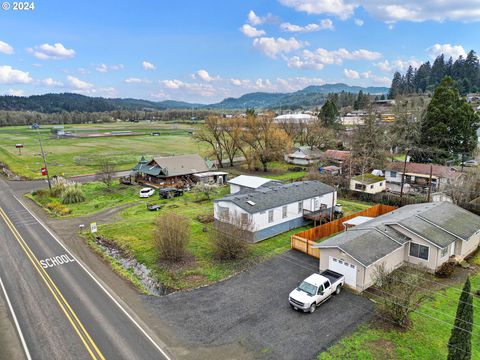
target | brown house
x=171, y=170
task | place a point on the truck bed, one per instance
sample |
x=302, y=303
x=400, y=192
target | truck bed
x=331, y=275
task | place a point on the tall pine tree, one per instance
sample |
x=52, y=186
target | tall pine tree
x=450, y=124
x=460, y=343
x=328, y=114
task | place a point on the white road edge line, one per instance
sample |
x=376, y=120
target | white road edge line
x=97, y=282
x=17, y=325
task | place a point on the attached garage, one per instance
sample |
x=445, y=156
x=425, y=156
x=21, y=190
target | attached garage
x=345, y=268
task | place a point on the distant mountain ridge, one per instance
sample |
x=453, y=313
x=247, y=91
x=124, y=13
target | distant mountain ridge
x=311, y=96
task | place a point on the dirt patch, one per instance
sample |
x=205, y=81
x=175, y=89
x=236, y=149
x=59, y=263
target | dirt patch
x=187, y=262
x=382, y=349
x=196, y=278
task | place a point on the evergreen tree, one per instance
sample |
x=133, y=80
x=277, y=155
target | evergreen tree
x=362, y=101
x=409, y=77
x=449, y=125
x=460, y=343
x=328, y=113
x=438, y=71
x=422, y=77
x=397, y=86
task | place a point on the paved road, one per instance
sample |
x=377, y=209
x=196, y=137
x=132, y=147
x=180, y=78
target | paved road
x=62, y=311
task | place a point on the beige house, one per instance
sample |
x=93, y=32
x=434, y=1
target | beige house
x=368, y=183
x=423, y=234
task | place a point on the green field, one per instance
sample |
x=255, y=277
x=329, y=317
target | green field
x=134, y=232
x=427, y=337
x=77, y=156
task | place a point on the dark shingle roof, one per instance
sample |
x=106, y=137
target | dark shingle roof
x=173, y=165
x=274, y=195
x=440, y=223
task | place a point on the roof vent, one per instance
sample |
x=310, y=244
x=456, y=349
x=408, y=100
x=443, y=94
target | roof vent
x=250, y=202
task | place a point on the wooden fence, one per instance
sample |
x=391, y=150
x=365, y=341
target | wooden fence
x=304, y=240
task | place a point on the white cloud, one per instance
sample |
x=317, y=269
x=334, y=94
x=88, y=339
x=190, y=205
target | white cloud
x=254, y=19
x=236, y=82
x=203, y=90
x=203, y=75
x=375, y=79
x=106, y=68
x=323, y=24
x=250, y=31
x=320, y=57
x=148, y=65
x=397, y=65
x=394, y=11
x=5, y=48
x=339, y=8
x=133, y=80
x=446, y=49
x=358, y=22
x=16, y=92
x=351, y=74
x=52, y=82
x=49, y=52
x=273, y=46
x=9, y=75
x=78, y=84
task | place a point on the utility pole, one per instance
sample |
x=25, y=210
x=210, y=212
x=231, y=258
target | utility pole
x=403, y=174
x=430, y=183
x=44, y=161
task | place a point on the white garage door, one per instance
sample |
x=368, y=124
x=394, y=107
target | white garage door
x=345, y=268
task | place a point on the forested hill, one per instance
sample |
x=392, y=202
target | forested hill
x=465, y=71
x=311, y=96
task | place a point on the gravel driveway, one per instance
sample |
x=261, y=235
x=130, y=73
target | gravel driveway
x=252, y=309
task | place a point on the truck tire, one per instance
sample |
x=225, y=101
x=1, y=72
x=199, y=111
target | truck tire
x=338, y=289
x=312, y=309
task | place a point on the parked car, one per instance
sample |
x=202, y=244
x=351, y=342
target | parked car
x=316, y=289
x=154, y=207
x=168, y=193
x=470, y=163
x=146, y=192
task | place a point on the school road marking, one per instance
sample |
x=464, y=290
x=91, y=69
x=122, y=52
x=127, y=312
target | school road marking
x=56, y=261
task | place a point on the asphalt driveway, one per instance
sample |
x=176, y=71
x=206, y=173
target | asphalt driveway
x=252, y=309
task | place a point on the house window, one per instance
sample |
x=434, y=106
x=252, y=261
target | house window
x=419, y=251
x=359, y=186
x=244, y=218
x=270, y=216
x=444, y=252
x=371, y=186
x=300, y=207
x=284, y=212
x=224, y=212
x=393, y=173
x=381, y=184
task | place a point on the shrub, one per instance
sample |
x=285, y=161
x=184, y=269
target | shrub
x=171, y=236
x=230, y=238
x=207, y=190
x=58, y=208
x=205, y=218
x=446, y=270
x=58, y=186
x=73, y=194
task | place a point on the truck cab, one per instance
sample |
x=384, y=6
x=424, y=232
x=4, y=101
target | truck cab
x=316, y=289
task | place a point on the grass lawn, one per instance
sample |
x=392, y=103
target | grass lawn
x=425, y=339
x=76, y=156
x=134, y=232
x=97, y=198
x=350, y=207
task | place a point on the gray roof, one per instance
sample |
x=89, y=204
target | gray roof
x=440, y=223
x=273, y=195
x=174, y=165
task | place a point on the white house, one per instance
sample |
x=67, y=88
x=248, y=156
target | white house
x=274, y=208
x=247, y=183
x=368, y=183
x=303, y=155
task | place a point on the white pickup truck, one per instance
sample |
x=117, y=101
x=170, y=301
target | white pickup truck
x=316, y=289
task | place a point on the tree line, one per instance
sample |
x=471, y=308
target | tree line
x=465, y=72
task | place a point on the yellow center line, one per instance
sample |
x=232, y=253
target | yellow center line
x=76, y=323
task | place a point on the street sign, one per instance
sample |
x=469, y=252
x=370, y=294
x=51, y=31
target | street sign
x=93, y=227
x=44, y=171
x=19, y=146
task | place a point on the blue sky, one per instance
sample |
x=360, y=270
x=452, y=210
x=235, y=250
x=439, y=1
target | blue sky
x=205, y=50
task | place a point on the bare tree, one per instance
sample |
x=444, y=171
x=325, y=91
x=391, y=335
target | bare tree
x=207, y=190
x=465, y=187
x=228, y=138
x=399, y=292
x=107, y=172
x=210, y=133
x=171, y=236
x=317, y=135
x=231, y=235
